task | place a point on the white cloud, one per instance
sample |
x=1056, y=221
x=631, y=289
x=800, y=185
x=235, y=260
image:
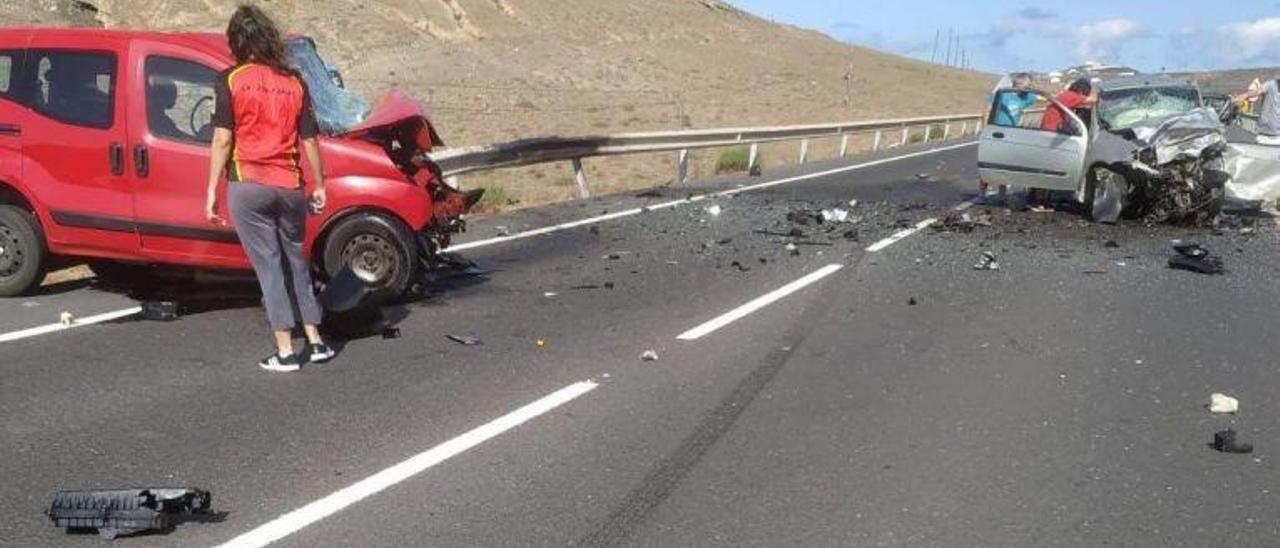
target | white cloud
x=1252, y=39
x=1103, y=40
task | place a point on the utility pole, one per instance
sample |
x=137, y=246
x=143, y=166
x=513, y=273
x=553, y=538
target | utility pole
x=937, y=34
x=950, y=34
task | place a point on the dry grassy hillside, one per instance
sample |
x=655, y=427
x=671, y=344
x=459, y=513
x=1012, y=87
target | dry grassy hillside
x=500, y=69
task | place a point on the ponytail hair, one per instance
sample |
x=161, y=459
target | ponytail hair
x=254, y=37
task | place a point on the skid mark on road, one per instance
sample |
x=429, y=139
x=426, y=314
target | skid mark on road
x=664, y=478
x=698, y=198
x=296, y=520
x=56, y=327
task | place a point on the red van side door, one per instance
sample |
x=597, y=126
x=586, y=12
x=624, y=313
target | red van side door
x=169, y=134
x=73, y=142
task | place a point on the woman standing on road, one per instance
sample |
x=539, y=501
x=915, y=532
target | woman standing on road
x=262, y=113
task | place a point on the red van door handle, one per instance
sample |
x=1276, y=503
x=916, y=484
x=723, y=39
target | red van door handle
x=10, y=130
x=115, y=154
x=141, y=160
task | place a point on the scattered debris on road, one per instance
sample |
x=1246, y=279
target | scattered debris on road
x=714, y=210
x=1223, y=404
x=540, y=343
x=464, y=340
x=160, y=311
x=66, y=318
x=912, y=301
x=1226, y=442
x=126, y=511
x=649, y=356
x=792, y=249
x=1191, y=256
x=1111, y=244
x=987, y=262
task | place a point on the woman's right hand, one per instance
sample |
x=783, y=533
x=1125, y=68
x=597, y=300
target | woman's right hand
x=211, y=212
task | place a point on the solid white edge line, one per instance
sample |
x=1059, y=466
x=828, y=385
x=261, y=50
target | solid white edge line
x=692, y=199
x=758, y=303
x=296, y=520
x=56, y=327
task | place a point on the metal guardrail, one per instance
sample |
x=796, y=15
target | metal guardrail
x=528, y=152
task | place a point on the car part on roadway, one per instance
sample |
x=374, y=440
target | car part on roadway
x=1226, y=442
x=126, y=511
x=24, y=255
x=379, y=249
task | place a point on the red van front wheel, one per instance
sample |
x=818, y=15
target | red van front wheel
x=378, y=248
x=23, y=252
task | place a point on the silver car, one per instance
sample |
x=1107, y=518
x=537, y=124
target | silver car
x=1148, y=147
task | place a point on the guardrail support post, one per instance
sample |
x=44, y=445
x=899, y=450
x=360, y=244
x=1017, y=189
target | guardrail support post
x=580, y=175
x=804, y=150
x=753, y=157
x=905, y=129
x=964, y=128
x=844, y=145
x=682, y=167
x=875, y=146
x=946, y=130
x=927, y=130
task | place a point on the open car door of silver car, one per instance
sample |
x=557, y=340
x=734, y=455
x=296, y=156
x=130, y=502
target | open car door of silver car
x=1014, y=150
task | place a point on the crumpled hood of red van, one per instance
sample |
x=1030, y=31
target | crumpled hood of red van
x=392, y=115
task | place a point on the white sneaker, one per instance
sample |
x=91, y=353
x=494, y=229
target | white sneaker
x=286, y=364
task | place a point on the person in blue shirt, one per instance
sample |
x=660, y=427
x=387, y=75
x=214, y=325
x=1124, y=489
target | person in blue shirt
x=1008, y=112
x=1011, y=105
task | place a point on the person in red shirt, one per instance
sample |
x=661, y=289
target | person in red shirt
x=1079, y=95
x=262, y=117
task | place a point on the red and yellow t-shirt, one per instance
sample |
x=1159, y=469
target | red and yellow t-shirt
x=268, y=112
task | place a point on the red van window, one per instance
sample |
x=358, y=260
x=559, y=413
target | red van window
x=75, y=87
x=180, y=99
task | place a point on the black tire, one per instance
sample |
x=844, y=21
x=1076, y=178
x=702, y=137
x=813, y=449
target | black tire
x=1090, y=191
x=380, y=249
x=24, y=255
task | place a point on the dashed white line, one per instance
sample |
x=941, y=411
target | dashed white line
x=56, y=327
x=692, y=199
x=296, y=520
x=900, y=235
x=758, y=303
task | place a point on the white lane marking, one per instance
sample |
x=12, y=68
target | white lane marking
x=56, y=327
x=900, y=235
x=906, y=233
x=294, y=521
x=760, y=302
x=692, y=199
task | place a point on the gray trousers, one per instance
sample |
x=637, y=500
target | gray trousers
x=271, y=223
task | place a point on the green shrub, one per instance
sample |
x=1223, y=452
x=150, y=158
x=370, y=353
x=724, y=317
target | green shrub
x=496, y=198
x=734, y=160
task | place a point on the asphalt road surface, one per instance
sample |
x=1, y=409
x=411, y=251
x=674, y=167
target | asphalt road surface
x=872, y=390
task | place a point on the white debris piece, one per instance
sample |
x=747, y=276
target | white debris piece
x=714, y=211
x=67, y=318
x=1222, y=403
x=853, y=203
x=836, y=215
x=649, y=356
x=550, y=294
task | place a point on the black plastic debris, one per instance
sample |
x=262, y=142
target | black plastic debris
x=912, y=301
x=160, y=311
x=344, y=292
x=464, y=340
x=1226, y=442
x=740, y=267
x=389, y=333
x=1191, y=256
x=126, y=511
x=1111, y=244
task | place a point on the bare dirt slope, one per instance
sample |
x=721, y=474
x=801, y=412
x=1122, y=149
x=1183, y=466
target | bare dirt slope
x=500, y=69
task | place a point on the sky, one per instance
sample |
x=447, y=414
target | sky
x=1013, y=35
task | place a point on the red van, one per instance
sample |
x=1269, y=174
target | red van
x=104, y=152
